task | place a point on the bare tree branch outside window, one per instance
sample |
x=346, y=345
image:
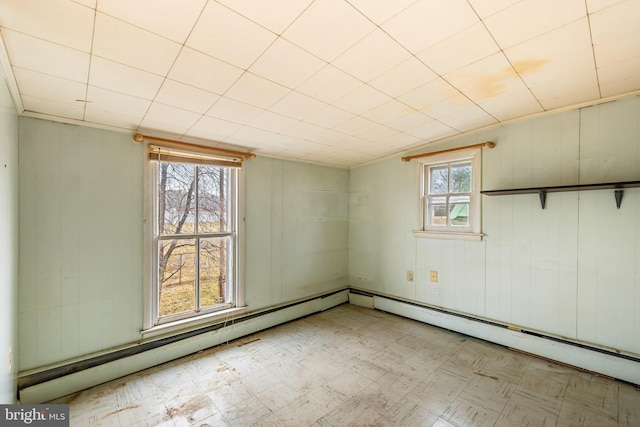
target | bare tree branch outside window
x=192, y=237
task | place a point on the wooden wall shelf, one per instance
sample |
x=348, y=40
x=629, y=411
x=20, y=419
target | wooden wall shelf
x=618, y=188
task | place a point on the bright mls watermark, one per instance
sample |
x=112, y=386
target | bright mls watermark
x=34, y=415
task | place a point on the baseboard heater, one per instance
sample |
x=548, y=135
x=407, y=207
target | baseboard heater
x=593, y=359
x=48, y=384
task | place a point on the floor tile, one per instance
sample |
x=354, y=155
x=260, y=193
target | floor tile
x=356, y=366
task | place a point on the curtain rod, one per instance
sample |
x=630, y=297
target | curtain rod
x=487, y=144
x=202, y=148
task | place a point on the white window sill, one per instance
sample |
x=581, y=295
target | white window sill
x=448, y=235
x=191, y=323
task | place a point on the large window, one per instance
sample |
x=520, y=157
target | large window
x=194, y=255
x=450, y=196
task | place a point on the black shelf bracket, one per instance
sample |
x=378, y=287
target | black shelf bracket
x=543, y=198
x=618, y=194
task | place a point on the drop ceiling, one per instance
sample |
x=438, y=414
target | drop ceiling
x=334, y=82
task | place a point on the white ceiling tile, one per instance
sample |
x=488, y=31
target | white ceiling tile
x=234, y=111
x=486, y=8
x=574, y=89
x=624, y=77
x=213, y=128
x=329, y=84
x=362, y=99
x=46, y=57
x=374, y=98
x=380, y=11
x=257, y=137
x=470, y=117
x=88, y=3
x=427, y=23
x=328, y=28
x=311, y=132
x=197, y=69
x=159, y=113
x=623, y=71
x=597, y=5
x=272, y=122
x=297, y=105
x=168, y=18
x=117, y=103
x=388, y=112
x=377, y=133
x=403, y=78
x=556, y=54
x=432, y=130
x=410, y=120
x=111, y=118
x=372, y=56
x=44, y=86
x=276, y=15
x=330, y=117
x=447, y=107
x=186, y=97
x=401, y=140
x=228, y=36
x=486, y=78
x=60, y=21
x=530, y=18
x=257, y=91
x=126, y=44
x=470, y=45
x=428, y=94
x=166, y=129
x=286, y=64
x=124, y=79
x=617, y=50
x=517, y=103
x=57, y=109
x=356, y=126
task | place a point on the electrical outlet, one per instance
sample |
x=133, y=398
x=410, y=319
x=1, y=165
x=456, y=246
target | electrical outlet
x=409, y=275
x=434, y=276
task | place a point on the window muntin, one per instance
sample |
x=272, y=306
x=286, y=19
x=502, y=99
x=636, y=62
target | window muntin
x=195, y=240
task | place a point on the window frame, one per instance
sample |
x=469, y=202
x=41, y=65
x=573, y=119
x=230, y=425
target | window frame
x=473, y=231
x=153, y=325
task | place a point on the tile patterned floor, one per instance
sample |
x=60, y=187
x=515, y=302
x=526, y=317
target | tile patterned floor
x=352, y=366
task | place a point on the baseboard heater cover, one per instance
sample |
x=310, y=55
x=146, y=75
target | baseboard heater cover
x=619, y=366
x=61, y=381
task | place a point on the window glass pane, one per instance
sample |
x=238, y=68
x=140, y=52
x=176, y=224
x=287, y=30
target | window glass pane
x=176, y=198
x=176, y=276
x=461, y=177
x=459, y=210
x=438, y=179
x=213, y=271
x=437, y=211
x=213, y=199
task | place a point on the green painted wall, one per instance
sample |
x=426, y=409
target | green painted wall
x=81, y=198
x=8, y=244
x=570, y=270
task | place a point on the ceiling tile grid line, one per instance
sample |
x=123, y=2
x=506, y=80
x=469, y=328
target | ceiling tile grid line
x=336, y=82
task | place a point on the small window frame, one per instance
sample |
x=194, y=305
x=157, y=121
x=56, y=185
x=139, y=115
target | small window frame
x=471, y=232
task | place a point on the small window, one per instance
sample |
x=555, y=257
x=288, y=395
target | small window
x=450, y=196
